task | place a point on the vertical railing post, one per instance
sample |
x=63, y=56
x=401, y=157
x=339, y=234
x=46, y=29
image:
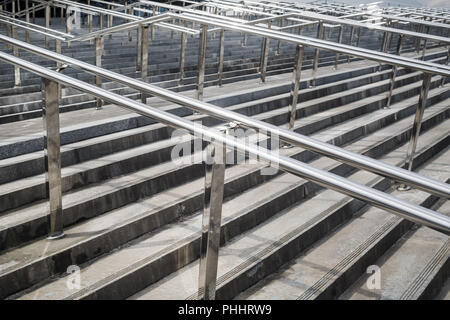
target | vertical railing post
x=336, y=61
x=68, y=23
x=90, y=18
x=352, y=33
x=295, y=86
x=58, y=50
x=33, y=11
x=9, y=34
x=317, y=53
x=446, y=63
x=279, y=41
x=264, y=56
x=27, y=19
x=52, y=158
x=211, y=220
x=139, y=47
x=201, y=61
x=417, y=124
x=359, y=37
x=98, y=62
x=17, y=80
x=182, y=56
x=425, y=45
x=110, y=21
x=47, y=23
x=221, y=56
x=394, y=72
x=144, y=60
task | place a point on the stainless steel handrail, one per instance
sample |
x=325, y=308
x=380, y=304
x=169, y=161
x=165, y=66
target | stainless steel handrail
x=402, y=208
x=381, y=57
x=357, y=160
x=367, y=54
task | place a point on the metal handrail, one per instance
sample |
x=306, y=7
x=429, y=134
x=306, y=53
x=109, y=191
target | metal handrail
x=351, y=158
x=366, y=54
x=381, y=57
x=402, y=208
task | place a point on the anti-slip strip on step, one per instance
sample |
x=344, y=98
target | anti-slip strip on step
x=440, y=256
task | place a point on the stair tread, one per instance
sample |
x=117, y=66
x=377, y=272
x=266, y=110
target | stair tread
x=195, y=222
x=306, y=276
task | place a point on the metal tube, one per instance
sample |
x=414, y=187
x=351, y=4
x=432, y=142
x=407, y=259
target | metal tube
x=130, y=37
x=52, y=158
x=98, y=63
x=446, y=63
x=352, y=33
x=90, y=18
x=144, y=60
x=9, y=33
x=202, y=61
x=336, y=61
x=211, y=220
x=418, y=120
x=182, y=56
x=359, y=37
x=68, y=23
x=16, y=54
x=221, y=56
x=47, y=23
x=353, y=159
x=139, y=48
x=279, y=41
x=58, y=50
x=377, y=198
x=27, y=19
x=295, y=85
x=394, y=74
x=316, y=54
x=265, y=55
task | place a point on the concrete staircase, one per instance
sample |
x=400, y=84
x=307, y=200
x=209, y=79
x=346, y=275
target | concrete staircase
x=132, y=216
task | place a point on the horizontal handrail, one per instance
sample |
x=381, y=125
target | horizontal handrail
x=367, y=54
x=340, y=20
x=402, y=208
x=410, y=178
x=214, y=20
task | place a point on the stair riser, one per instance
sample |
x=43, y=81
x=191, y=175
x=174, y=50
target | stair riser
x=133, y=282
x=33, y=145
x=37, y=192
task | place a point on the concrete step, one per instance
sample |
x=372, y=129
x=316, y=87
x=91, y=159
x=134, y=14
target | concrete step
x=326, y=269
x=255, y=254
x=415, y=267
x=12, y=166
x=133, y=186
x=293, y=188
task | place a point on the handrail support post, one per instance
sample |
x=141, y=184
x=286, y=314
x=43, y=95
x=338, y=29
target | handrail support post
x=98, y=62
x=417, y=124
x=202, y=61
x=52, y=158
x=144, y=60
x=320, y=31
x=47, y=24
x=394, y=74
x=221, y=56
x=295, y=86
x=336, y=61
x=211, y=221
x=182, y=56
